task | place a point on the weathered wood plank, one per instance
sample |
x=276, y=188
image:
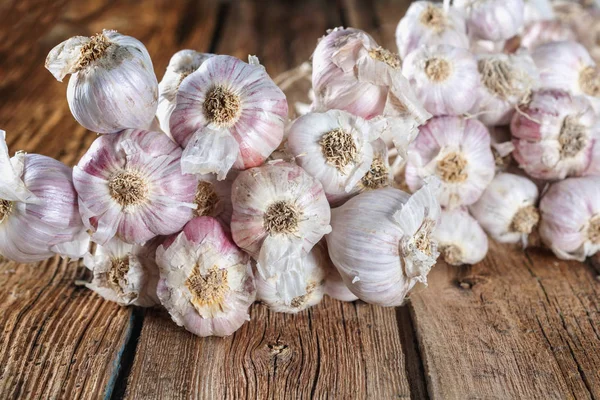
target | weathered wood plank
x=514, y=326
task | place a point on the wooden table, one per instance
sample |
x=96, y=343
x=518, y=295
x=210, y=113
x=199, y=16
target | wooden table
x=518, y=325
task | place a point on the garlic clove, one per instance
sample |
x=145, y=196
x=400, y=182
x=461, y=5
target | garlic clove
x=507, y=210
x=460, y=238
x=570, y=223
x=493, y=20
x=112, y=85
x=206, y=282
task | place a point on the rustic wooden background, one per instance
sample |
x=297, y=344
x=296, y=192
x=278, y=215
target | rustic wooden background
x=518, y=325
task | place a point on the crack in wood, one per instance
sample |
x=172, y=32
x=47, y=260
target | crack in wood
x=124, y=361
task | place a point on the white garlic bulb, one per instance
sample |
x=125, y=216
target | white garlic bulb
x=351, y=72
x=130, y=185
x=124, y=273
x=567, y=65
x=556, y=135
x=507, y=210
x=334, y=147
x=381, y=243
x=507, y=81
x=542, y=32
x=460, y=239
x=457, y=151
x=493, y=20
x=182, y=64
x=38, y=208
x=444, y=78
x=228, y=114
x=112, y=85
x=313, y=275
x=206, y=282
x=279, y=213
x=427, y=23
x=571, y=218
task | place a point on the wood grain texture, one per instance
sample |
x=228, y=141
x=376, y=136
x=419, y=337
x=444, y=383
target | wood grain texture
x=514, y=326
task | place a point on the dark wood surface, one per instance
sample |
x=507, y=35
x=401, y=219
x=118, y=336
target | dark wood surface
x=518, y=325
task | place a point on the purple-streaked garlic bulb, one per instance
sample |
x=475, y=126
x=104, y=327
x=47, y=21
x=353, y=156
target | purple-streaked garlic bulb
x=427, y=23
x=125, y=273
x=460, y=239
x=279, y=213
x=493, y=20
x=570, y=223
x=314, y=273
x=556, y=135
x=444, y=78
x=228, y=114
x=213, y=198
x=567, y=65
x=351, y=72
x=381, y=243
x=457, y=151
x=507, y=81
x=130, y=185
x=38, y=208
x=542, y=32
x=182, y=64
x=507, y=210
x=206, y=282
x=112, y=85
x=334, y=147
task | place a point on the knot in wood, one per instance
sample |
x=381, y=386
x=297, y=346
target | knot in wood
x=386, y=56
x=92, y=50
x=206, y=199
x=589, y=81
x=128, y=188
x=281, y=217
x=572, y=137
x=339, y=148
x=377, y=176
x=437, y=69
x=525, y=219
x=208, y=289
x=222, y=106
x=452, y=168
x=6, y=208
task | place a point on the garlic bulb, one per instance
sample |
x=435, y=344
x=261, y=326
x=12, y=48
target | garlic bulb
x=206, y=282
x=381, y=243
x=38, y=208
x=460, y=239
x=130, y=185
x=183, y=63
x=228, y=114
x=313, y=275
x=112, y=85
x=444, y=78
x=507, y=81
x=334, y=286
x=427, y=23
x=555, y=135
x=213, y=198
x=124, y=273
x=334, y=147
x=567, y=65
x=457, y=151
x=571, y=218
x=493, y=20
x=542, y=32
x=507, y=209
x=279, y=213
x=351, y=72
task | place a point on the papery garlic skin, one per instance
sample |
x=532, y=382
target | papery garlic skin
x=537, y=10
x=507, y=81
x=570, y=223
x=457, y=151
x=542, y=32
x=38, y=208
x=460, y=239
x=182, y=64
x=444, y=78
x=507, y=210
x=279, y=213
x=112, y=85
x=334, y=286
x=124, y=273
x=381, y=243
x=314, y=277
x=556, y=135
x=206, y=282
x=131, y=186
x=427, y=23
x=334, y=147
x=351, y=72
x=567, y=65
x=493, y=20
x=502, y=146
x=228, y=114
x=213, y=198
